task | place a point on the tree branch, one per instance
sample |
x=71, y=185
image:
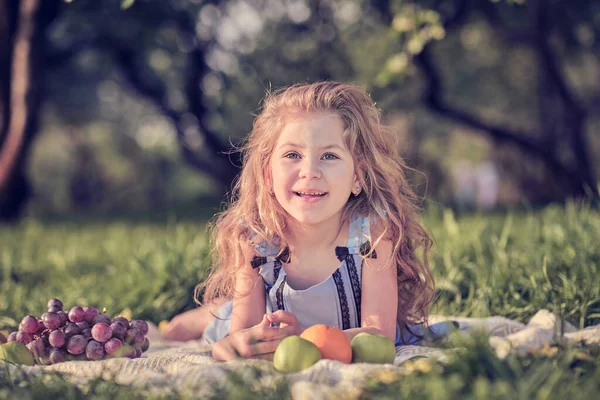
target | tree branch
x=434, y=101
x=491, y=15
x=575, y=111
x=125, y=58
x=197, y=71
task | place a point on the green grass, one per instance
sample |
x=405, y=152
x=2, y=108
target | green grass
x=511, y=264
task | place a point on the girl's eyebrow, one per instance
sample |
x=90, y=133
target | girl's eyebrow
x=330, y=146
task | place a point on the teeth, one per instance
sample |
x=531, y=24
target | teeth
x=312, y=194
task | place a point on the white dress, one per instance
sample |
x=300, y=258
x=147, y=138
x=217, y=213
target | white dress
x=333, y=302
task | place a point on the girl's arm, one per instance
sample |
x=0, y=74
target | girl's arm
x=250, y=333
x=247, y=310
x=379, y=304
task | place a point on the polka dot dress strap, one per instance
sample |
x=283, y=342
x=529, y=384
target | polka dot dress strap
x=359, y=238
x=269, y=262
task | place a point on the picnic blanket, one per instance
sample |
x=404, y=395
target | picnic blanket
x=188, y=369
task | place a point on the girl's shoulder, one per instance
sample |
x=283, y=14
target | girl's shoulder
x=266, y=249
x=363, y=228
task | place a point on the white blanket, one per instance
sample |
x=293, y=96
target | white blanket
x=187, y=367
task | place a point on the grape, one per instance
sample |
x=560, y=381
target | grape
x=89, y=313
x=37, y=348
x=55, y=303
x=94, y=350
x=145, y=344
x=102, y=318
x=76, y=314
x=64, y=317
x=24, y=337
x=72, y=329
x=57, y=339
x=58, y=356
x=76, y=344
x=29, y=324
x=130, y=336
x=140, y=325
x=101, y=332
x=112, y=346
x=51, y=320
x=123, y=321
x=126, y=351
x=45, y=336
x=83, y=325
x=118, y=329
x=82, y=333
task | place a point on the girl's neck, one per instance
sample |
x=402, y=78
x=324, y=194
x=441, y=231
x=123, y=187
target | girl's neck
x=314, y=237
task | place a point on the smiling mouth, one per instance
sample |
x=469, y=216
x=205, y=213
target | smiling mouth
x=300, y=194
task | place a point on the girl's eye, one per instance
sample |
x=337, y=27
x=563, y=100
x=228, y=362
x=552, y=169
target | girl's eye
x=294, y=155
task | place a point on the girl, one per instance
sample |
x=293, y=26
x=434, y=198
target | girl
x=322, y=229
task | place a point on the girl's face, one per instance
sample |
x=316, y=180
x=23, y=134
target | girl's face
x=311, y=170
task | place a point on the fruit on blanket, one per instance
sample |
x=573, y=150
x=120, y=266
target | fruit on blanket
x=81, y=334
x=294, y=354
x=331, y=341
x=372, y=348
x=16, y=353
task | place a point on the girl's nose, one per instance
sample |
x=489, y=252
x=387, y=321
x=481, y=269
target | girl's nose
x=310, y=169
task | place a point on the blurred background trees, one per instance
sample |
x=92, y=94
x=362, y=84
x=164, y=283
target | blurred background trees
x=125, y=105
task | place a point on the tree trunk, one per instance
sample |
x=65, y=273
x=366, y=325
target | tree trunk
x=22, y=26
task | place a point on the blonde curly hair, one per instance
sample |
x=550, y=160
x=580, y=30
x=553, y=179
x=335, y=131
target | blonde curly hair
x=254, y=215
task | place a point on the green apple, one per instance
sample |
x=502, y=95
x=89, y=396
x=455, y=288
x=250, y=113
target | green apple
x=16, y=353
x=294, y=354
x=371, y=348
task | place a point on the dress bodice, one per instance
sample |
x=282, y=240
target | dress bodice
x=334, y=301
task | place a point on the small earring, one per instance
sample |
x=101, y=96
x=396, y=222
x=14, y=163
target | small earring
x=358, y=189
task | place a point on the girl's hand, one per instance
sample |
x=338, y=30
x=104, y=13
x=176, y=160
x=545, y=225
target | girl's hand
x=285, y=319
x=259, y=341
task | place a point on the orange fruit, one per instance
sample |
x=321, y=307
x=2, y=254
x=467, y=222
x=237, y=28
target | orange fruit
x=331, y=341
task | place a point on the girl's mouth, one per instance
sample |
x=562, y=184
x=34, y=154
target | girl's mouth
x=311, y=197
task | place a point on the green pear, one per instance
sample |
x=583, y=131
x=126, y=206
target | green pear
x=16, y=353
x=294, y=354
x=371, y=348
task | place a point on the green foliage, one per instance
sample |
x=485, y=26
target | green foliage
x=515, y=264
x=149, y=268
x=511, y=264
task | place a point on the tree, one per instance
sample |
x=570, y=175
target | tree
x=22, y=42
x=551, y=32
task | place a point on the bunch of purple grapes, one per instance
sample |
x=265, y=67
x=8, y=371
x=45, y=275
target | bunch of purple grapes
x=81, y=334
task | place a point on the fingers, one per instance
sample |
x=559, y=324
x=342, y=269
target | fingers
x=260, y=341
x=263, y=348
x=275, y=333
x=285, y=317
